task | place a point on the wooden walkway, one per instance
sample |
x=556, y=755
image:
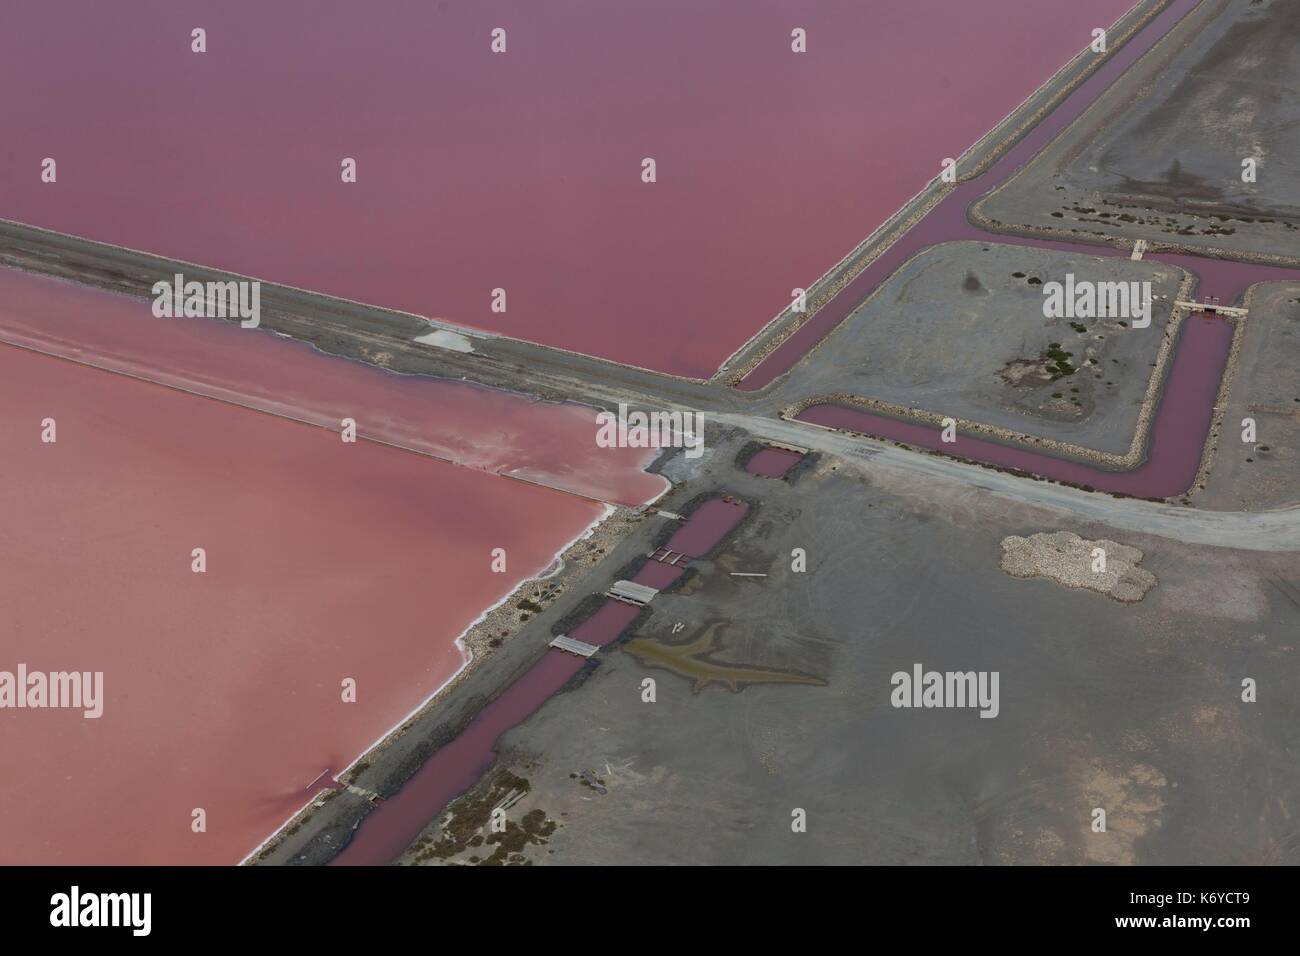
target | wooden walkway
x=574, y=646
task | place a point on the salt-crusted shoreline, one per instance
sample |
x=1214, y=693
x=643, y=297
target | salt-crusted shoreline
x=489, y=631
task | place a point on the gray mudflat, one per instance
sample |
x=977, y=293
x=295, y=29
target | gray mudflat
x=1133, y=708
x=959, y=330
x=1160, y=155
x=1266, y=473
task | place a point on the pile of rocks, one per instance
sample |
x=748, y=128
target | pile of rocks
x=1106, y=567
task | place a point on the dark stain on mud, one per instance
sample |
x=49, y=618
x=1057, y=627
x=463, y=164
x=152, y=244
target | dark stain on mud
x=694, y=660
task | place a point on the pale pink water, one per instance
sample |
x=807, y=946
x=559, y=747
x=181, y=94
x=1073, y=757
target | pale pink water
x=492, y=431
x=519, y=170
x=453, y=769
x=325, y=561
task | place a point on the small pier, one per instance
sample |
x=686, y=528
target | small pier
x=664, y=556
x=574, y=646
x=629, y=592
x=1211, y=307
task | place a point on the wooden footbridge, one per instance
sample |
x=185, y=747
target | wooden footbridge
x=1211, y=307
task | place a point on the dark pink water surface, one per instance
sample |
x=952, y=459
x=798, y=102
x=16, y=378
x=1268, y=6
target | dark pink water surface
x=658, y=574
x=947, y=222
x=1185, y=411
x=1177, y=436
x=453, y=769
x=709, y=523
x=519, y=170
x=772, y=462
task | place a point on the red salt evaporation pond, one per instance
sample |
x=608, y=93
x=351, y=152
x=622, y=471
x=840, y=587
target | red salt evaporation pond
x=772, y=462
x=520, y=170
x=658, y=575
x=480, y=428
x=390, y=828
x=948, y=222
x=324, y=561
x=1177, y=435
x=709, y=523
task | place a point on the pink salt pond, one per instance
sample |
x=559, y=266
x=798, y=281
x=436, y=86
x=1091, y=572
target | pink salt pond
x=522, y=170
x=325, y=562
x=772, y=462
x=453, y=769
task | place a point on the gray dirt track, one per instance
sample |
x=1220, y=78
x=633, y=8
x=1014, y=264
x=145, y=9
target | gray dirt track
x=1261, y=475
x=1133, y=708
